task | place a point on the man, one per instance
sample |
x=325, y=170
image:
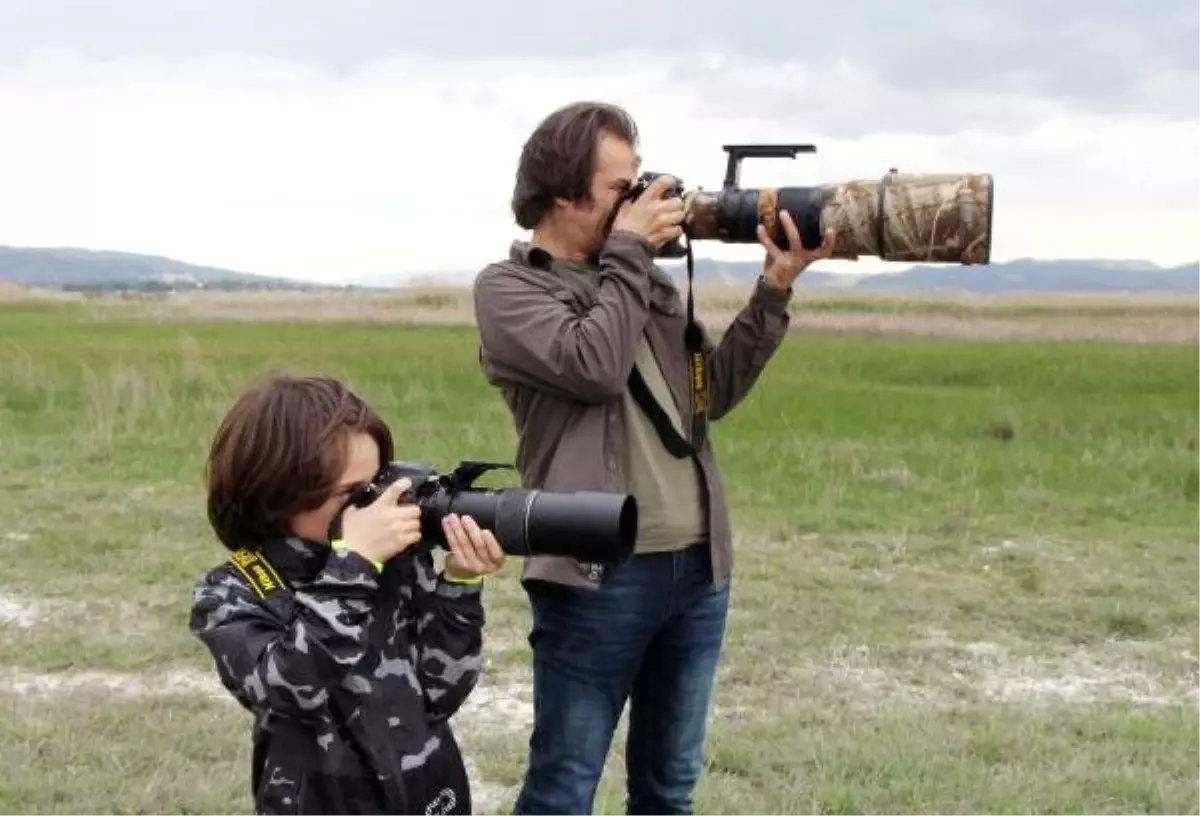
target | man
x=563, y=322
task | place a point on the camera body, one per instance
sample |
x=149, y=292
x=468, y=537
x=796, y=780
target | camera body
x=671, y=249
x=430, y=490
x=643, y=181
x=588, y=526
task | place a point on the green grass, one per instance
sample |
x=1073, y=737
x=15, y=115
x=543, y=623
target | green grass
x=966, y=575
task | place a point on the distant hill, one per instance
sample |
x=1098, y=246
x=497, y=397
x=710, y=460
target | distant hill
x=84, y=269
x=1021, y=275
x=94, y=270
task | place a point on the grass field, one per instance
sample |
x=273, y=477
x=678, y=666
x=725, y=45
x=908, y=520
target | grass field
x=966, y=573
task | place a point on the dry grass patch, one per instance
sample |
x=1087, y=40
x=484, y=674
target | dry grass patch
x=1002, y=317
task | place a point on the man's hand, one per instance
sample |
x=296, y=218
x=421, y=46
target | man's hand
x=781, y=268
x=651, y=216
x=474, y=552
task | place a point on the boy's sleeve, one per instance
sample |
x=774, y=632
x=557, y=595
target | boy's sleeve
x=447, y=638
x=286, y=666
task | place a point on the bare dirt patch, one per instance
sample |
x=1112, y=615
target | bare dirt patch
x=1117, y=671
x=494, y=705
x=498, y=705
x=943, y=673
x=23, y=612
x=126, y=685
x=17, y=612
x=1078, y=677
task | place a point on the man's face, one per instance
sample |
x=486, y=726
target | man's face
x=617, y=166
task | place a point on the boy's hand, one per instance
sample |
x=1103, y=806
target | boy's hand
x=385, y=528
x=474, y=552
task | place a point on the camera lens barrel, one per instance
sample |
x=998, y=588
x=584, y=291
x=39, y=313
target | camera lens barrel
x=587, y=526
x=738, y=213
x=907, y=218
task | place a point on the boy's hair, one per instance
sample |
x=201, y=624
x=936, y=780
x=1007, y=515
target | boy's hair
x=278, y=452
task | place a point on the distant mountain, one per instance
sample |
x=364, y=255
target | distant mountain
x=1029, y=275
x=1020, y=275
x=81, y=269
x=84, y=269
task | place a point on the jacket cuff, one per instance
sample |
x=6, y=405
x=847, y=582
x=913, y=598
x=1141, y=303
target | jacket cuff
x=631, y=247
x=346, y=564
x=769, y=298
x=453, y=590
x=342, y=547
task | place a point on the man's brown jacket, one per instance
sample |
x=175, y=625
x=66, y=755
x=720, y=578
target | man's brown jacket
x=561, y=351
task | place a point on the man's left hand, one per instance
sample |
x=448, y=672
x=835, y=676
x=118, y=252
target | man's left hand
x=474, y=552
x=782, y=267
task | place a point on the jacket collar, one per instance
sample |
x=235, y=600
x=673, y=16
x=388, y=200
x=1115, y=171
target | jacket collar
x=296, y=559
x=663, y=292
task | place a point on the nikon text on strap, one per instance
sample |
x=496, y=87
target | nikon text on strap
x=263, y=578
x=693, y=340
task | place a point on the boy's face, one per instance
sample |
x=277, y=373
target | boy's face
x=362, y=463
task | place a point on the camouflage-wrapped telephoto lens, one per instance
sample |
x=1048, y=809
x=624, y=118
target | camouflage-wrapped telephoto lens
x=924, y=218
x=928, y=218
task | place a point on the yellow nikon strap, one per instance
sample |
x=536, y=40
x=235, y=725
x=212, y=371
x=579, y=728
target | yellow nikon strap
x=258, y=572
x=693, y=340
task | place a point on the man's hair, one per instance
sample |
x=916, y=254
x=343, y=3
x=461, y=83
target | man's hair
x=278, y=452
x=559, y=158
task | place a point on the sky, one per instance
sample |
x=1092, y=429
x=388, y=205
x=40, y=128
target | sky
x=375, y=140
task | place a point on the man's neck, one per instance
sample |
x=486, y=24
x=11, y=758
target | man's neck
x=558, y=246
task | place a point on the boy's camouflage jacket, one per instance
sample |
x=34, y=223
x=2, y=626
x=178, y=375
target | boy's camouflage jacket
x=352, y=673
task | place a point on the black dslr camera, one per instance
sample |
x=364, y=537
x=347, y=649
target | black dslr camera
x=587, y=526
x=645, y=180
x=671, y=249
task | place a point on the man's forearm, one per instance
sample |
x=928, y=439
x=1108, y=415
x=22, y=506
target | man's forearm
x=746, y=347
x=530, y=336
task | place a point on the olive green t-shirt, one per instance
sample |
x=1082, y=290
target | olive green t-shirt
x=671, y=511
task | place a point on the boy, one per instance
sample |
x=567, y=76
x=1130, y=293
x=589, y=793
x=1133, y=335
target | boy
x=352, y=671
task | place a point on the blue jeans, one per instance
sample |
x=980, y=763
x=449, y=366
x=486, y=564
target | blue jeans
x=651, y=635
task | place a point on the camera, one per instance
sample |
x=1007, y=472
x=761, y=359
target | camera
x=926, y=218
x=670, y=249
x=588, y=526
x=643, y=181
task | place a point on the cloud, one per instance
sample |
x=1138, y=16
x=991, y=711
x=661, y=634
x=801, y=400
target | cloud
x=1108, y=57
x=380, y=139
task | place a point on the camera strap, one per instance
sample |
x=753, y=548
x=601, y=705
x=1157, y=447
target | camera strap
x=693, y=340
x=270, y=587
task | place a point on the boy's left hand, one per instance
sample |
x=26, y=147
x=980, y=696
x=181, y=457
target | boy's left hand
x=474, y=552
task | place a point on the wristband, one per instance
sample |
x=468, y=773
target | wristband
x=342, y=546
x=478, y=579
